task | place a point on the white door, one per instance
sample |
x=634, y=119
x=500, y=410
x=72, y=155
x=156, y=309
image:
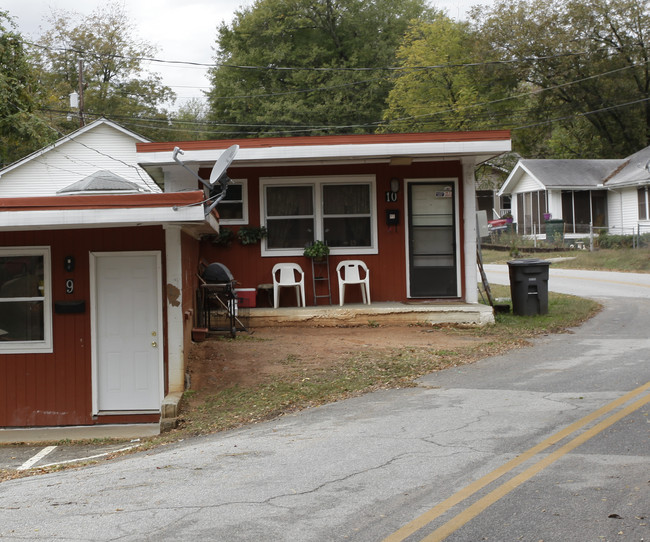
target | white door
x=127, y=329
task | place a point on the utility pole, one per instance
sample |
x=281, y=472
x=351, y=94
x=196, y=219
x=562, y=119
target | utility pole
x=82, y=122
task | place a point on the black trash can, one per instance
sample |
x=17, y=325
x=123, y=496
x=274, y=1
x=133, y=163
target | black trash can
x=529, y=286
x=555, y=230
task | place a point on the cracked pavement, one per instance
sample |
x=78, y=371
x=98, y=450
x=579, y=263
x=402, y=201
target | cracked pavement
x=360, y=469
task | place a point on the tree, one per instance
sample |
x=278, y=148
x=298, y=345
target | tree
x=190, y=122
x=291, y=67
x=586, y=67
x=21, y=129
x=444, y=84
x=116, y=84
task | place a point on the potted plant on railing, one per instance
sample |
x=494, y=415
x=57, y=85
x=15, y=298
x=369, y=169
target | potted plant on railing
x=508, y=217
x=318, y=250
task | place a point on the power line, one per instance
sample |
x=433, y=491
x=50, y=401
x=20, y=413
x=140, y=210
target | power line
x=306, y=68
x=406, y=118
x=292, y=129
x=374, y=125
x=146, y=180
x=576, y=115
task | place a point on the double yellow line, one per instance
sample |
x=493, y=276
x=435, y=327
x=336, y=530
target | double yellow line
x=479, y=506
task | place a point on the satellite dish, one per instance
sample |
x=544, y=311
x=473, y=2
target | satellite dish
x=218, y=175
x=222, y=164
x=219, y=169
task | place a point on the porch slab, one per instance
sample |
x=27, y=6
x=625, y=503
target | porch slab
x=383, y=313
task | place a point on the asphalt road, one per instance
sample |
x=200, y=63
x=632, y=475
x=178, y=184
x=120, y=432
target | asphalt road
x=550, y=442
x=594, y=284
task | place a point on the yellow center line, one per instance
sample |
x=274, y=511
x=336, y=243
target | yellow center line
x=479, y=484
x=479, y=506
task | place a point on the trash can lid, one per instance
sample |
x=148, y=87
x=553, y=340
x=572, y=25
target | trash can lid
x=529, y=261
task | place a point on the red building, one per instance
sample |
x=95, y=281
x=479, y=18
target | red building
x=98, y=263
x=402, y=203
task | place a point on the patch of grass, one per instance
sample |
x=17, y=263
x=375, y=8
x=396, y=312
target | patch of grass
x=564, y=312
x=624, y=259
x=292, y=360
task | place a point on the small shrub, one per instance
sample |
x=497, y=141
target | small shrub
x=606, y=240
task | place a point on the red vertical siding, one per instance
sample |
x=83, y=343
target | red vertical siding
x=190, y=258
x=387, y=268
x=55, y=389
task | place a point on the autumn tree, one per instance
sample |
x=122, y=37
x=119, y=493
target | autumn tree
x=444, y=82
x=292, y=67
x=583, y=68
x=21, y=129
x=190, y=122
x=116, y=83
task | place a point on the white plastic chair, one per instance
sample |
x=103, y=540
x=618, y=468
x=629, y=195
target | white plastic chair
x=352, y=275
x=284, y=274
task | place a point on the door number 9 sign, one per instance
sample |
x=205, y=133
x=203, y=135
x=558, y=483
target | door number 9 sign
x=69, y=286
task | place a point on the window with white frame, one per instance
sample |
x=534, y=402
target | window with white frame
x=233, y=209
x=25, y=306
x=644, y=203
x=347, y=221
x=337, y=210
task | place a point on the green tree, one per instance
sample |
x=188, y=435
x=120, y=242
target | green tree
x=190, y=122
x=585, y=65
x=291, y=67
x=21, y=129
x=444, y=84
x=116, y=84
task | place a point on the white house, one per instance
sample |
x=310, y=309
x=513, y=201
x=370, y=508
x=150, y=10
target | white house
x=605, y=194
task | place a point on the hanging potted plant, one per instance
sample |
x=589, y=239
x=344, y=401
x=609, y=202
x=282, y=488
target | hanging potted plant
x=224, y=238
x=249, y=235
x=318, y=250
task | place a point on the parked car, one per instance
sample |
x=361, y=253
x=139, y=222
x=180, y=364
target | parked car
x=498, y=225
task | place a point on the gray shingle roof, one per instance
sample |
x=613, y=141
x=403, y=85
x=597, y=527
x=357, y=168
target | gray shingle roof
x=572, y=173
x=101, y=181
x=633, y=170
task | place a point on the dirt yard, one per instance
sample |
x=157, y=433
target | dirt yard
x=222, y=362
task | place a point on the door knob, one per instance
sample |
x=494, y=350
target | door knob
x=154, y=344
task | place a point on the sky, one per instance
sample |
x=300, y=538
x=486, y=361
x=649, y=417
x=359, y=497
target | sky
x=182, y=31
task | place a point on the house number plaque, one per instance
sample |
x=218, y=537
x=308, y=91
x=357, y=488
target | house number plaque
x=69, y=286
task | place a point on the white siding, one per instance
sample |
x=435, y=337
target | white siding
x=622, y=203
x=101, y=148
x=527, y=183
x=555, y=203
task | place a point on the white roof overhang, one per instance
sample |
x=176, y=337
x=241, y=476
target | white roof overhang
x=79, y=212
x=479, y=151
x=191, y=218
